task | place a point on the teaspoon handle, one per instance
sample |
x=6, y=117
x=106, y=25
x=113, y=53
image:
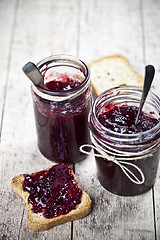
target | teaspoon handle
x=33, y=73
x=149, y=75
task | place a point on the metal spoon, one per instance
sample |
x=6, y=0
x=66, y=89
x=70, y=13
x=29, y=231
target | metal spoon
x=149, y=75
x=33, y=73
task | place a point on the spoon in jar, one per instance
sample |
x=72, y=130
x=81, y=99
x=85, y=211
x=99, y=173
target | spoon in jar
x=149, y=75
x=33, y=73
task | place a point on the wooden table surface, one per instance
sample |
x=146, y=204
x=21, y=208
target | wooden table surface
x=89, y=29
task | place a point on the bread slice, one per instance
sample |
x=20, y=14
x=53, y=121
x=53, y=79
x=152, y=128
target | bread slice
x=113, y=71
x=36, y=221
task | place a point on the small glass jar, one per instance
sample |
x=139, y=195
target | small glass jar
x=126, y=163
x=62, y=116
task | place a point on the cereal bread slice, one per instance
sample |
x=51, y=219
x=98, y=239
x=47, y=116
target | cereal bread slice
x=113, y=71
x=37, y=221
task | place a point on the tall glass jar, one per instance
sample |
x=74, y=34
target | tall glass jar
x=61, y=116
x=126, y=163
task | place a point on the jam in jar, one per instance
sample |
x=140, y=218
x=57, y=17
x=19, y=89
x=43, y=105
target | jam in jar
x=61, y=110
x=127, y=155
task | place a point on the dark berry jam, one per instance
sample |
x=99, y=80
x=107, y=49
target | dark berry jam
x=54, y=192
x=62, y=127
x=61, y=82
x=122, y=119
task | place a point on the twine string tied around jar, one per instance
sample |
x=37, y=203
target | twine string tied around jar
x=121, y=163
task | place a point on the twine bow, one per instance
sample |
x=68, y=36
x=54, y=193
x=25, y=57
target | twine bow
x=120, y=163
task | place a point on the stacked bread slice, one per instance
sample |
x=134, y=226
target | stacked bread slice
x=112, y=71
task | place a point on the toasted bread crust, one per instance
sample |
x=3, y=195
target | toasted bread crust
x=37, y=222
x=112, y=71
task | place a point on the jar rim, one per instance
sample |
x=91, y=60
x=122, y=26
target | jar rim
x=68, y=58
x=118, y=135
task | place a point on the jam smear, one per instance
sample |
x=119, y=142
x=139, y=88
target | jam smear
x=122, y=119
x=54, y=192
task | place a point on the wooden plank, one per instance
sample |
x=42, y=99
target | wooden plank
x=152, y=43
x=107, y=28
x=7, y=13
x=48, y=26
x=7, y=9
x=151, y=40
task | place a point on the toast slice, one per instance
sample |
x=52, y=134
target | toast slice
x=112, y=71
x=37, y=220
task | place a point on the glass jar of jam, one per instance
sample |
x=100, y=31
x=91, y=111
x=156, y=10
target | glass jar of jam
x=61, y=108
x=127, y=155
